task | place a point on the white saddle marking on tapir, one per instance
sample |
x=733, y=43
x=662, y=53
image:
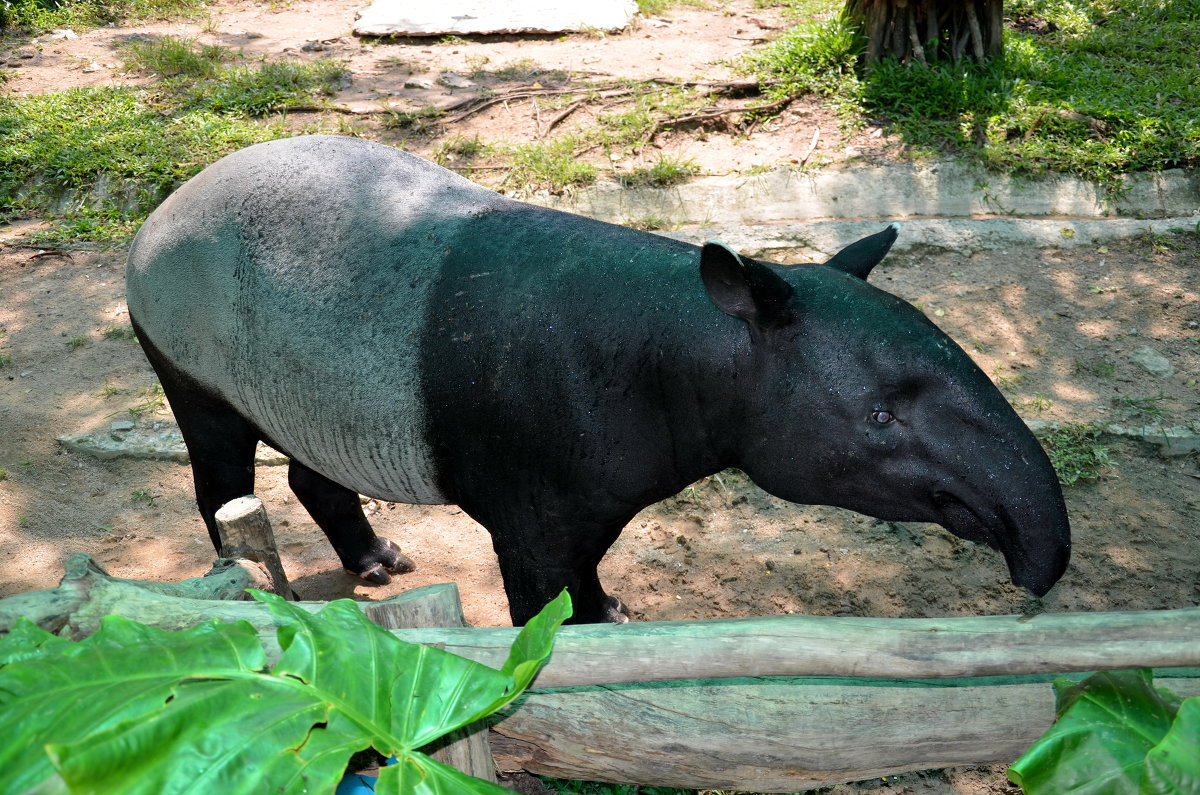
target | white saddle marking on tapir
x=290, y=292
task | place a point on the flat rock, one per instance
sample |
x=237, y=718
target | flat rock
x=1152, y=362
x=475, y=17
x=160, y=441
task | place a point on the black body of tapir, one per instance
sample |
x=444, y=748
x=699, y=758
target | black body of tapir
x=405, y=334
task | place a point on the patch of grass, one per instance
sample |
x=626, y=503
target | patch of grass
x=76, y=343
x=172, y=57
x=1076, y=453
x=62, y=144
x=142, y=496
x=649, y=223
x=267, y=87
x=460, y=149
x=119, y=333
x=414, y=121
x=1100, y=369
x=667, y=171
x=1146, y=410
x=816, y=57
x=3, y=473
x=154, y=401
x=652, y=7
x=550, y=165
x=5, y=360
x=37, y=16
x=1115, y=88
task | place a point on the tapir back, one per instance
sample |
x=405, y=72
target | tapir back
x=290, y=279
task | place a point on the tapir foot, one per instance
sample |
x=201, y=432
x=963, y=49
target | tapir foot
x=615, y=611
x=385, y=557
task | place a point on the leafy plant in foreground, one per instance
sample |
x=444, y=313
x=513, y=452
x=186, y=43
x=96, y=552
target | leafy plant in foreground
x=136, y=709
x=1115, y=733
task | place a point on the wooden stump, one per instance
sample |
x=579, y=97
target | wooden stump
x=246, y=534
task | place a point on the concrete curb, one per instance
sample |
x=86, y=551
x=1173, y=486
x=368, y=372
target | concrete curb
x=819, y=240
x=940, y=189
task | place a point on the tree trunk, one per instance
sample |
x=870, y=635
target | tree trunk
x=922, y=31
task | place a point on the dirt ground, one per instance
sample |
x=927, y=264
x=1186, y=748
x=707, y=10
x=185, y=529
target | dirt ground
x=1055, y=328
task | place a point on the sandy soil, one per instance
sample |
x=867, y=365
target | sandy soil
x=1056, y=328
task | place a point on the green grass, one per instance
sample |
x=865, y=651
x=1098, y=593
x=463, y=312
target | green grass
x=37, y=16
x=78, y=342
x=666, y=172
x=55, y=148
x=552, y=166
x=1115, y=89
x=1076, y=453
x=172, y=57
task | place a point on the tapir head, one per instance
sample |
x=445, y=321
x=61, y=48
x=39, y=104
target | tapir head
x=852, y=397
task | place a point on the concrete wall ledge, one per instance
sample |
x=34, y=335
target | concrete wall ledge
x=939, y=189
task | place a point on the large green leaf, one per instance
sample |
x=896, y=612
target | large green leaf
x=1173, y=766
x=123, y=672
x=27, y=641
x=191, y=723
x=1106, y=725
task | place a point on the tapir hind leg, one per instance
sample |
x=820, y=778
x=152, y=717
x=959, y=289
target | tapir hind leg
x=220, y=443
x=337, y=511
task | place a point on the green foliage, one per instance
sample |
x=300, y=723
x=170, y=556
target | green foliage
x=551, y=166
x=1076, y=453
x=147, y=140
x=817, y=57
x=37, y=16
x=666, y=171
x=171, y=57
x=1115, y=733
x=267, y=87
x=1115, y=88
x=134, y=709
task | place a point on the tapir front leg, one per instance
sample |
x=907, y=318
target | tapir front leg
x=539, y=557
x=338, y=512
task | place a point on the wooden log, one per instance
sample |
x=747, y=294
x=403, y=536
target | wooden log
x=777, y=735
x=245, y=532
x=61, y=609
x=835, y=646
x=439, y=606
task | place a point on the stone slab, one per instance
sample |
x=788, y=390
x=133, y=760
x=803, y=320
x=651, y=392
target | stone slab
x=159, y=440
x=476, y=17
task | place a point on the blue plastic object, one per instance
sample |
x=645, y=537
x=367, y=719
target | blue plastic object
x=355, y=784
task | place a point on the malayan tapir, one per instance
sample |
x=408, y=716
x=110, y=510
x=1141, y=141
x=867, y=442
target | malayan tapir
x=403, y=333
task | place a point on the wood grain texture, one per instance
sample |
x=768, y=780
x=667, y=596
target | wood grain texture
x=834, y=646
x=776, y=735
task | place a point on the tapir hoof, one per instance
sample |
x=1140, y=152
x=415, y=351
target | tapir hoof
x=615, y=611
x=385, y=558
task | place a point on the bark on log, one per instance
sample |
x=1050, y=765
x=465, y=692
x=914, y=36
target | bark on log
x=834, y=646
x=777, y=735
x=245, y=533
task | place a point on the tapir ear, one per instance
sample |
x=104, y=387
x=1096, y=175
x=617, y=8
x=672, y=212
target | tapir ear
x=861, y=256
x=742, y=287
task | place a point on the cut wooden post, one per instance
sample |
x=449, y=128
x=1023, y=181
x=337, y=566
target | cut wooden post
x=439, y=606
x=246, y=533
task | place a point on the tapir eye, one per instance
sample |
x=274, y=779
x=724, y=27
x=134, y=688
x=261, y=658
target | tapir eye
x=883, y=417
